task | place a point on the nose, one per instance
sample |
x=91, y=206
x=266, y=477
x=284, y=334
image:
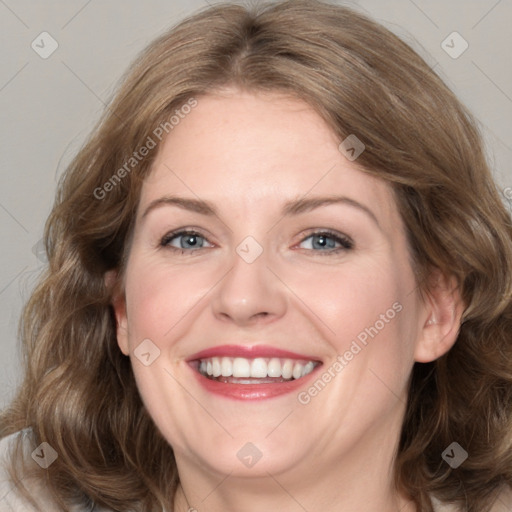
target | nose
x=249, y=294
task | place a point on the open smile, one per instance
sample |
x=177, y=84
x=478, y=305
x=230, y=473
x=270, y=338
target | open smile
x=250, y=373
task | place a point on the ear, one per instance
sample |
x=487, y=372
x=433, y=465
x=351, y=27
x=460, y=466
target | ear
x=119, y=304
x=443, y=309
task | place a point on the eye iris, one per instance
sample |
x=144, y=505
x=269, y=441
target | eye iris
x=323, y=242
x=190, y=241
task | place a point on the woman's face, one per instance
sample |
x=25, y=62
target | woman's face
x=270, y=311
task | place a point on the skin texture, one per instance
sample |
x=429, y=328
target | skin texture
x=249, y=154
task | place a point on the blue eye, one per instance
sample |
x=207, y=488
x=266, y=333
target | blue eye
x=190, y=241
x=183, y=240
x=326, y=242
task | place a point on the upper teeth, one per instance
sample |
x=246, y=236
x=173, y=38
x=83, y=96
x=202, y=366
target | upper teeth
x=259, y=367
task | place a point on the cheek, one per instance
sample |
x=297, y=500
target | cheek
x=367, y=314
x=159, y=299
x=159, y=296
x=352, y=298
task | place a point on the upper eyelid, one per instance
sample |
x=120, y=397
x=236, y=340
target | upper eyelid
x=325, y=231
x=340, y=237
x=186, y=231
x=183, y=232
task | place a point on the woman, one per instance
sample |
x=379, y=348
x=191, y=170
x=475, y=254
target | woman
x=279, y=278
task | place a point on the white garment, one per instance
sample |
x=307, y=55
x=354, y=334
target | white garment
x=12, y=501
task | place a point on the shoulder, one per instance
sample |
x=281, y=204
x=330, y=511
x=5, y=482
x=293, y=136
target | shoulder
x=504, y=501
x=443, y=507
x=11, y=448
x=502, y=504
x=20, y=447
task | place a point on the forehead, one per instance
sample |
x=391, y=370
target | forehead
x=242, y=150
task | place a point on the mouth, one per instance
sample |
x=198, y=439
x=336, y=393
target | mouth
x=249, y=373
x=260, y=370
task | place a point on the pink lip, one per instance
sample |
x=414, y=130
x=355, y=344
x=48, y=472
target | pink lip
x=249, y=391
x=248, y=352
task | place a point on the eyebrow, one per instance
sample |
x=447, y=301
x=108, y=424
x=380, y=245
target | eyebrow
x=305, y=205
x=193, y=205
x=294, y=207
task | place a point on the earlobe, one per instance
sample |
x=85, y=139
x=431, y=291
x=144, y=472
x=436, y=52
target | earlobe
x=443, y=309
x=119, y=305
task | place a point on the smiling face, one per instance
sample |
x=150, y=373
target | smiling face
x=273, y=280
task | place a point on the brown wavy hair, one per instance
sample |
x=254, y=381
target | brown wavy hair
x=79, y=392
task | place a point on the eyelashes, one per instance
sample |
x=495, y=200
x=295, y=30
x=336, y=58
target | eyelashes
x=328, y=241
x=323, y=242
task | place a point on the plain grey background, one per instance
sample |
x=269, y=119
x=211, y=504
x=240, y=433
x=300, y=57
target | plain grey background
x=49, y=105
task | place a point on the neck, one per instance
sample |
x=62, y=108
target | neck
x=360, y=479
x=270, y=494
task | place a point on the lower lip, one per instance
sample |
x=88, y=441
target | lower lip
x=253, y=391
